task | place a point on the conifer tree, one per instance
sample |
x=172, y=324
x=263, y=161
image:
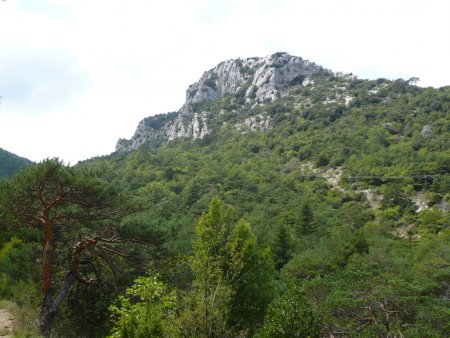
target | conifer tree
x=282, y=247
x=75, y=212
x=307, y=223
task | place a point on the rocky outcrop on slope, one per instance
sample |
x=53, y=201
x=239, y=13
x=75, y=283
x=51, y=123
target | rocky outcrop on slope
x=264, y=78
x=160, y=129
x=259, y=79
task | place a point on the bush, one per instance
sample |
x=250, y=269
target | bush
x=291, y=315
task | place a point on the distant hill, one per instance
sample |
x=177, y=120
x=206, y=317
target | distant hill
x=10, y=163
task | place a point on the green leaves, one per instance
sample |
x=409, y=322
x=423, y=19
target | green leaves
x=370, y=132
x=76, y=214
x=232, y=284
x=10, y=163
x=291, y=315
x=146, y=310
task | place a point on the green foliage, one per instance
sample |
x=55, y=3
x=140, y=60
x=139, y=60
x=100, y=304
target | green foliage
x=291, y=315
x=232, y=276
x=146, y=310
x=10, y=163
x=251, y=280
x=8, y=270
x=386, y=291
x=282, y=247
x=159, y=120
x=74, y=212
x=207, y=309
x=352, y=243
x=307, y=223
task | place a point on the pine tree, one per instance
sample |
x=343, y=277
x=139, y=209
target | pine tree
x=282, y=247
x=74, y=211
x=307, y=224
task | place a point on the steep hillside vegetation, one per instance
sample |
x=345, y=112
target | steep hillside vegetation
x=385, y=142
x=346, y=182
x=323, y=210
x=10, y=163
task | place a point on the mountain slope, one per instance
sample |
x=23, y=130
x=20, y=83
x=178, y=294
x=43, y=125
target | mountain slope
x=382, y=139
x=252, y=80
x=10, y=163
x=344, y=182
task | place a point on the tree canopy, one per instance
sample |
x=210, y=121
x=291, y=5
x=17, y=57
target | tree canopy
x=75, y=213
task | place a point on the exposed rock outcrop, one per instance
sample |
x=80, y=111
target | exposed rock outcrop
x=195, y=129
x=262, y=78
x=155, y=133
x=259, y=79
x=259, y=122
x=426, y=131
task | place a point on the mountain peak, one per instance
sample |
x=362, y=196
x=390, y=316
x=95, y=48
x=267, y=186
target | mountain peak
x=262, y=78
x=258, y=79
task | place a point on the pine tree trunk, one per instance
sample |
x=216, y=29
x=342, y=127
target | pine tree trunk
x=48, y=318
x=49, y=308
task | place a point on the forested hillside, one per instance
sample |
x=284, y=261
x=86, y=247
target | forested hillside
x=10, y=163
x=323, y=212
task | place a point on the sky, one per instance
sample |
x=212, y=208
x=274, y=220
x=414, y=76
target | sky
x=77, y=75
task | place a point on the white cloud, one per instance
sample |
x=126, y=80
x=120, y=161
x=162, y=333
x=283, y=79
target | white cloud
x=112, y=63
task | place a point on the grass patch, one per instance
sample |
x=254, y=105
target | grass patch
x=25, y=323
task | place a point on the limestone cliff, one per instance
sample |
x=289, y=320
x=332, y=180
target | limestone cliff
x=258, y=79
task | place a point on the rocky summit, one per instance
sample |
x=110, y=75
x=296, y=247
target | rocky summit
x=258, y=79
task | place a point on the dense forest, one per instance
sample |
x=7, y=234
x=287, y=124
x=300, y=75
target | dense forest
x=332, y=221
x=11, y=163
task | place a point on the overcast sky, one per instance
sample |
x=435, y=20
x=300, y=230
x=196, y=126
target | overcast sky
x=75, y=75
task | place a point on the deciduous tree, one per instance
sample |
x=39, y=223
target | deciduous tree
x=291, y=315
x=233, y=276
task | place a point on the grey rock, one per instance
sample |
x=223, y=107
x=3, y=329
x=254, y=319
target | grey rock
x=260, y=122
x=443, y=207
x=155, y=134
x=196, y=128
x=260, y=79
x=426, y=131
x=264, y=78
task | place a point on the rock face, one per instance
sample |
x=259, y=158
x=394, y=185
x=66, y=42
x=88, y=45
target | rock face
x=259, y=122
x=426, y=131
x=160, y=129
x=259, y=79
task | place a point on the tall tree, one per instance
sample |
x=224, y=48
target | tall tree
x=75, y=212
x=233, y=276
x=307, y=222
x=282, y=248
x=250, y=272
x=208, y=303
